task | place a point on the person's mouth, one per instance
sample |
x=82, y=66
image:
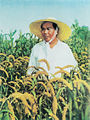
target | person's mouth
x=46, y=37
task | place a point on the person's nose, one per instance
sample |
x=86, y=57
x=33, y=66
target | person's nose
x=46, y=31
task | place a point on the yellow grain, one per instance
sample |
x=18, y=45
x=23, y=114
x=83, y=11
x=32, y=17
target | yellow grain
x=13, y=88
x=0, y=82
x=87, y=63
x=2, y=54
x=20, y=58
x=54, y=105
x=43, y=85
x=88, y=78
x=76, y=84
x=30, y=97
x=61, y=80
x=42, y=68
x=41, y=72
x=18, y=73
x=26, y=58
x=76, y=77
x=27, y=83
x=34, y=108
x=62, y=99
x=2, y=69
x=86, y=48
x=19, y=80
x=76, y=56
x=83, y=53
x=21, y=97
x=84, y=56
x=79, y=74
x=47, y=94
x=51, y=88
x=2, y=99
x=62, y=71
x=83, y=70
x=58, y=67
x=68, y=66
x=45, y=61
x=3, y=79
x=17, y=61
x=11, y=109
x=15, y=95
x=28, y=78
x=27, y=111
x=59, y=85
x=32, y=101
x=84, y=83
x=32, y=66
x=83, y=65
x=8, y=63
x=15, y=83
x=65, y=112
x=11, y=56
x=53, y=116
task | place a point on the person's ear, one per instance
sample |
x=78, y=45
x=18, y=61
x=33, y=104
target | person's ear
x=56, y=31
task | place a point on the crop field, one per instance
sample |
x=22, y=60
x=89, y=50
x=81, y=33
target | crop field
x=37, y=96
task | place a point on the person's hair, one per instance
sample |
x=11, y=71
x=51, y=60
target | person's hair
x=55, y=26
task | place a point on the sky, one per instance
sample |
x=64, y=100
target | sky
x=18, y=14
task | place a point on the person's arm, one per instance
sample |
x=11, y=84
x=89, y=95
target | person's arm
x=33, y=61
x=70, y=59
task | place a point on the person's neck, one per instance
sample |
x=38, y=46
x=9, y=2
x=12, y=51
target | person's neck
x=53, y=43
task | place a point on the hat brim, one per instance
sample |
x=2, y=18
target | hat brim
x=64, y=32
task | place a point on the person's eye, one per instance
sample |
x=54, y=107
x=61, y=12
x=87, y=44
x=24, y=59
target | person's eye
x=43, y=29
x=48, y=28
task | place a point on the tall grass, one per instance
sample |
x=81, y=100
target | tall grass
x=36, y=96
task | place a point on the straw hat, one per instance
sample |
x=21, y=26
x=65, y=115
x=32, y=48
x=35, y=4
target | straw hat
x=64, y=33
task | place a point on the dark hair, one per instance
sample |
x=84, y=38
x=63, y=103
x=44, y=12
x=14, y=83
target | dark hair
x=54, y=25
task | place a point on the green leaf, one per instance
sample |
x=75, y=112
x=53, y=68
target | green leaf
x=87, y=113
x=6, y=114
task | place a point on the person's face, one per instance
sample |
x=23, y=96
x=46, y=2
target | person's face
x=47, y=31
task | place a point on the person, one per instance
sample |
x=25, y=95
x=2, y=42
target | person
x=52, y=48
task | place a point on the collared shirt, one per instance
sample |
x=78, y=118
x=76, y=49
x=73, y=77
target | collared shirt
x=60, y=55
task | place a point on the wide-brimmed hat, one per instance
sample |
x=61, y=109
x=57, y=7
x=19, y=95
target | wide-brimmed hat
x=64, y=29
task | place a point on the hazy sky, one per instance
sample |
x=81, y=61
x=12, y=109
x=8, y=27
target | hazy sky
x=18, y=14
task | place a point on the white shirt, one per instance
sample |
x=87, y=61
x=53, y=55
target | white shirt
x=60, y=55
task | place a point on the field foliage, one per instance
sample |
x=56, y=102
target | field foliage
x=36, y=96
